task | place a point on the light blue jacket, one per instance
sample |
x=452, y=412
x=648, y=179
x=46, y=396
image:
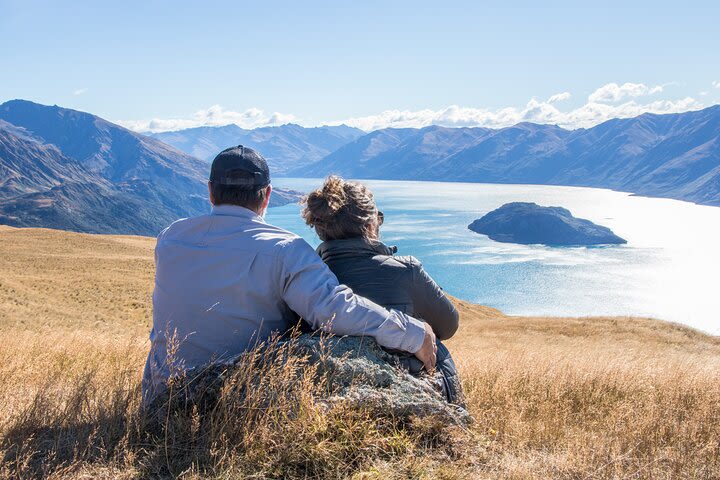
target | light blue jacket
x=226, y=281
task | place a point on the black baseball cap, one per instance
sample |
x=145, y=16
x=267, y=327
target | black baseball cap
x=240, y=167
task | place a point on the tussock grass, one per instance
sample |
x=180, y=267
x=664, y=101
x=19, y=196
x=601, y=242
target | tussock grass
x=269, y=422
x=553, y=398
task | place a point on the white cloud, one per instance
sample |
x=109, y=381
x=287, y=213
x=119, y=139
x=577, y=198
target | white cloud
x=281, y=119
x=79, y=91
x=212, y=116
x=607, y=102
x=612, y=92
x=588, y=115
x=716, y=84
x=559, y=97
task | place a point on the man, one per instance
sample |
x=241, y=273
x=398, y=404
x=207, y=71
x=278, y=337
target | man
x=226, y=281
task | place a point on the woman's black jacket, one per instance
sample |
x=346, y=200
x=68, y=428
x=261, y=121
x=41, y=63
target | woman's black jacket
x=397, y=282
x=372, y=271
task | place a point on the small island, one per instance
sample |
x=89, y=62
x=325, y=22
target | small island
x=530, y=223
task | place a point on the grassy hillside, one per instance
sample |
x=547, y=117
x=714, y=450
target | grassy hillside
x=552, y=397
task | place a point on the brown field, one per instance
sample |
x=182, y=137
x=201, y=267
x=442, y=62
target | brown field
x=567, y=398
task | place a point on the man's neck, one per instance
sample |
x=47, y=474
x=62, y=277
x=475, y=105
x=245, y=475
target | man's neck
x=230, y=209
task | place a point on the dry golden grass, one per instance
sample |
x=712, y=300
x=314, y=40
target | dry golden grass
x=553, y=398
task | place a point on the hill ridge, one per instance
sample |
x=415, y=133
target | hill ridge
x=663, y=155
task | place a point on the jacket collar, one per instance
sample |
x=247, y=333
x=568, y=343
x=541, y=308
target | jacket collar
x=351, y=247
x=234, y=211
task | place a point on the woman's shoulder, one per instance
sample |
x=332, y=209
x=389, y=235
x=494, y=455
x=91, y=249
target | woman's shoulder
x=408, y=262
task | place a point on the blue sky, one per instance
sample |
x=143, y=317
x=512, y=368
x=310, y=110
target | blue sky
x=166, y=65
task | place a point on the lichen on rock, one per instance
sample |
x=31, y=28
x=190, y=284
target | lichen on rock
x=361, y=372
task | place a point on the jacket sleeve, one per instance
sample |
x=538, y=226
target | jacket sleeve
x=313, y=291
x=431, y=304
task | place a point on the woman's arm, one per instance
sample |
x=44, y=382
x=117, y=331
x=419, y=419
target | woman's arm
x=432, y=305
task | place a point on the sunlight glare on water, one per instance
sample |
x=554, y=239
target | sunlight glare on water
x=667, y=270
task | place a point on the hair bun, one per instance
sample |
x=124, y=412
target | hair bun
x=324, y=203
x=333, y=192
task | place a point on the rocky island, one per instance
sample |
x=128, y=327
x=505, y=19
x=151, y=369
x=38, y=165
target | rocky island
x=530, y=223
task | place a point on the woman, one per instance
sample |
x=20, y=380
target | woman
x=345, y=217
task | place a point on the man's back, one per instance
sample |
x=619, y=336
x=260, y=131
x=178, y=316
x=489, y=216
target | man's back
x=217, y=272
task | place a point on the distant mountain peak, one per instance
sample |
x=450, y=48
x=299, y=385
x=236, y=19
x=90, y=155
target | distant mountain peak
x=285, y=146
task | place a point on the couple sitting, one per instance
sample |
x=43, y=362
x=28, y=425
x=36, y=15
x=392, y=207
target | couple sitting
x=227, y=281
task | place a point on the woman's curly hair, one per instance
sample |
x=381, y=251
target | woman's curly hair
x=340, y=209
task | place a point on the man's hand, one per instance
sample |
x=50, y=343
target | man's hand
x=428, y=352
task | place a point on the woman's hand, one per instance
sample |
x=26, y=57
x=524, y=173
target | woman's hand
x=428, y=352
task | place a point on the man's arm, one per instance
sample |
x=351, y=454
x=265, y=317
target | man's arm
x=313, y=291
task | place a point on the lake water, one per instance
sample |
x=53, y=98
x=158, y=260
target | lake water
x=667, y=270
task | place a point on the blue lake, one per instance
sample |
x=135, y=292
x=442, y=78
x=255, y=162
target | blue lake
x=668, y=269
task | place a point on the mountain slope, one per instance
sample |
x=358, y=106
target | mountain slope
x=66, y=169
x=358, y=157
x=674, y=155
x=41, y=186
x=85, y=207
x=523, y=153
x=115, y=153
x=28, y=165
x=284, y=147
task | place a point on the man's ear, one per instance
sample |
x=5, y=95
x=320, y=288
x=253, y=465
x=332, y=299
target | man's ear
x=210, y=195
x=267, y=198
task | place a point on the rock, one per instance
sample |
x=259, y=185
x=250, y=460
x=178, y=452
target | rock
x=529, y=223
x=361, y=372
x=355, y=370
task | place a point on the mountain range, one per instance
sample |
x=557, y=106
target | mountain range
x=673, y=155
x=284, y=147
x=62, y=168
